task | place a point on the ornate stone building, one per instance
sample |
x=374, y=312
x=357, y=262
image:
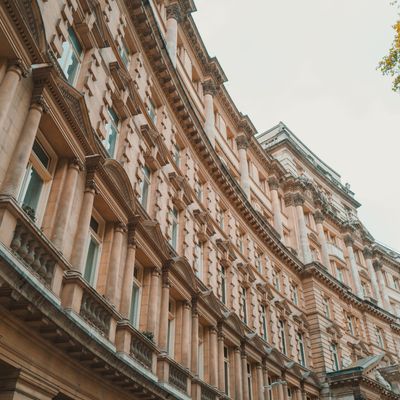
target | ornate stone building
x=153, y=245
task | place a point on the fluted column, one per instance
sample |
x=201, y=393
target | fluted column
x=8, y=88
x=281, y=393
x=372, y=275
x=127, y=284
x=213, y=356
x=238, y=374
x=260, y=382
x=186, y=347
x=303, y=236
x=114, y=263
x=221, y=374
x=276, y=206
x=353, y=266
x=245, y=383
x=173, y=17
x=153, y=301
x=381, y=281
x=65, y=204
x=16, y=168
x=164, y=310
x=319, y=219
x=82, y=230
x=242, y=145
x=195, y=337
x=209, y=90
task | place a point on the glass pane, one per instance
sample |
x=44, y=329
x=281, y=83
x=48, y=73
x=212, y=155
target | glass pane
x=41, y=154
x=145, y=193
x=134, y=306
x=109, y=142
x=74, y=40
x=72, y=68
x=33, y=189
x=91, y=261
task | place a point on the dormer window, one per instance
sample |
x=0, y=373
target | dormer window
x=71, y=56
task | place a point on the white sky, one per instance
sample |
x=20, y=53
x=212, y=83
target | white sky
x=312, y=64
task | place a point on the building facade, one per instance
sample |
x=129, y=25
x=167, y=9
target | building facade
x=153, y=245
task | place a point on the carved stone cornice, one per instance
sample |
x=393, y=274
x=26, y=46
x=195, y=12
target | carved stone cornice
x=174, y=11
x=319, y=217
x=273, y=183
x=209, y=87
x=242, y=142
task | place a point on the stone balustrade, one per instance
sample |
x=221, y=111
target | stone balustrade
x=95, y=312
x=177, y=377
x=19, y=233
x=207, y=392
x=169, y=371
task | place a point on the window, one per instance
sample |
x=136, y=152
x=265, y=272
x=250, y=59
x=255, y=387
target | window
x=145, y=186
x=198, y=259
x=220, y=216
x=71, y=56
x=295, y=294
x=244, y=304
x=174, y=227
x=223, y=284
x=270, y=396
x=240, y=242
x=326, y=307
x=350, y=327
x=258, y=263
x=379, y=337
x=134, y=313
x=302, y=355
x=171, y=328
x=110, y=140
x=276, y=280
x=92, y=255
x=282, y=336
x=123, y=52
x=335, y=357
x=198, y=189
x=249, y=381
x=396, y=283
x=226, y=370
x=264, y=326
x=152, y=111
x=36, y=174
x=340, y=275
x=176, y=154
x=200, y=361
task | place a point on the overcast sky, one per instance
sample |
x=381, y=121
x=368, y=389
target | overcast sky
x=312, y=64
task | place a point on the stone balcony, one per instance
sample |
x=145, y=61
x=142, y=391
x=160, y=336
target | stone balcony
x=335, y=251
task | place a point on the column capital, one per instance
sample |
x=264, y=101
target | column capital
x=195, y=309
x=298, y=199
x=348, y=241
x=155, y=271
x=19, y=67
x=213, y=330
x=187, y=304
x=209, y=87
x=319, y=217
x=377, y=264
x=242, y=142
x=273, y=183
x=119, y=227
x=174, y=11
x=93, y=164
x=131, y=228
x=367, y=251
x=75, y=163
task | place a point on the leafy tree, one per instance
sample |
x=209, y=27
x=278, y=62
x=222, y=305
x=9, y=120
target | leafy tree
x=390, y=64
